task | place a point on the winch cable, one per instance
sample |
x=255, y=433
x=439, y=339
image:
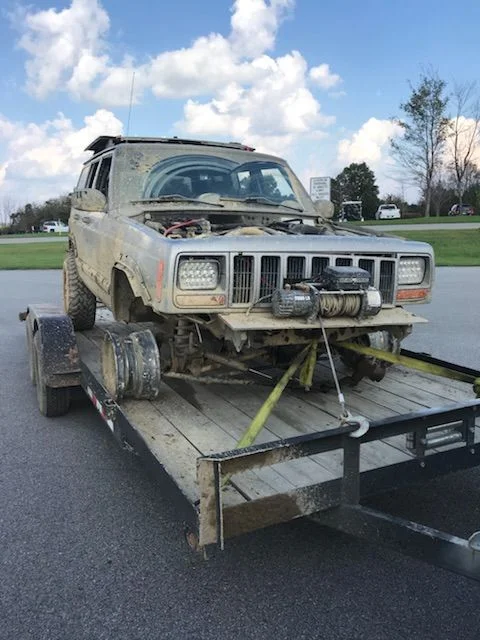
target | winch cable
x=345, y=416
x=332, y=305
x=340, y=396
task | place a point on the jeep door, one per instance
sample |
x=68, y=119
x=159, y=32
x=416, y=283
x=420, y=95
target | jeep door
x=93, y=235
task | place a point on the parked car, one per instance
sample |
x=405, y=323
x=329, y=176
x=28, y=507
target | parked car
x=388, y=211
x=461, y=210
x=54, y=226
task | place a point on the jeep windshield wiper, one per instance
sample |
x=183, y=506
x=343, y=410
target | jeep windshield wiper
x=176, y=197
x=270, y=203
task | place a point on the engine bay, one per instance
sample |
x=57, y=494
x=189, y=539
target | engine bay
x=183, y=226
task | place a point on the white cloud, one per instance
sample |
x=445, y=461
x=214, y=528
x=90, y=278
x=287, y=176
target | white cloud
x=43, y=159
x=59, y=41
x=3, y=172
x=209, y=67
x=67, y=51
x=323, y=77
x=370, y=143
x=234, y=86
x=270, y=114
x=255, y=24
x=468, y=137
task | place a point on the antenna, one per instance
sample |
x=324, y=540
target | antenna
x=130, y=105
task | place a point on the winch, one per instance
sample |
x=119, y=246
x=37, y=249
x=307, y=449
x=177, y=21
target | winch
x=340, y=291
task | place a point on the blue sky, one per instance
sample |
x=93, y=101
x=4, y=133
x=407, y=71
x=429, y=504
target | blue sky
x=314, y=81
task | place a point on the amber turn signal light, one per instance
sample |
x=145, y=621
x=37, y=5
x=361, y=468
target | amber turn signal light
x=412, y=294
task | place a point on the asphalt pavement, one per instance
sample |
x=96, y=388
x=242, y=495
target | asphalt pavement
x=91, y=548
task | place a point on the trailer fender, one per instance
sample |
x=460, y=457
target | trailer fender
x=54, y=336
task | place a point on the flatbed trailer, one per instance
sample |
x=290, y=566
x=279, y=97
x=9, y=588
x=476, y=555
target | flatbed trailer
x=304, y=462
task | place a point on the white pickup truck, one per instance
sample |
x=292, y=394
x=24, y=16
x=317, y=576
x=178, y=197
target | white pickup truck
x=54, y=226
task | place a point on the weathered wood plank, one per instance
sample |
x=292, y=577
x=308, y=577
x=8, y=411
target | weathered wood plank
x=240, y=407
x=209, y=437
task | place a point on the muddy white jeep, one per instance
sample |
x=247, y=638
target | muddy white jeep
x=223, y=250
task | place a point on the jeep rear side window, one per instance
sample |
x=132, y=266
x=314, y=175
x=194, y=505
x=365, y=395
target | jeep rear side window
x=82, y=181
x=91, y=175
x=103, y=176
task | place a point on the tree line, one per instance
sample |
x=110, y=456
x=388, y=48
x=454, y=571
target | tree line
x=436, y=151
x=30, y=217
x=358, y=182
x=441, y=140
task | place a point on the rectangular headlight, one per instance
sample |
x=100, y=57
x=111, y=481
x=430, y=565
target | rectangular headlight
x=198, y=274
x=411, y=270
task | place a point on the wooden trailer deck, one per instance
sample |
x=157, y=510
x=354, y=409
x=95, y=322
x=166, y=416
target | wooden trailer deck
x=190, y=420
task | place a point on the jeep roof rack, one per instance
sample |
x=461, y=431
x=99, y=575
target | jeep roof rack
x=104, y=142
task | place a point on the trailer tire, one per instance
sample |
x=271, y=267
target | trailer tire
x=78, y=301
x=52, y=402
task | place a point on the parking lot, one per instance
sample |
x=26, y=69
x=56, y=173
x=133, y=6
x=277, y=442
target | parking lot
x=92, y=548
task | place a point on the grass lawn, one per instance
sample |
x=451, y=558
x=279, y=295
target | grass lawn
x=431, y=220
x=35, y=255
x=455, y=248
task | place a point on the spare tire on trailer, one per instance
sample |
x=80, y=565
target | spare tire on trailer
x=78, y=301
x=52, y=401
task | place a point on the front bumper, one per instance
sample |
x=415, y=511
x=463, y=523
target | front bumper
x=265, y=321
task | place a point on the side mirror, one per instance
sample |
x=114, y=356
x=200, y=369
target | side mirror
x=324, y=208
x=89, y=200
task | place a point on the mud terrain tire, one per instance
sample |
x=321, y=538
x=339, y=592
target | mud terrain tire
x=78, y=301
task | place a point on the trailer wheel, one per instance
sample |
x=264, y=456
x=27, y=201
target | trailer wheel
x=52, y=401
x=78, y=301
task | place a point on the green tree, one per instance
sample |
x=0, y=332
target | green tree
x=33, y=215
x=425, y=125
x=356, y=182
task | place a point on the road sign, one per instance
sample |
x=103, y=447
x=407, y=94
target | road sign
x=320, y=188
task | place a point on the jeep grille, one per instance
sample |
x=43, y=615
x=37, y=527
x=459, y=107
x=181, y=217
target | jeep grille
x=256, y=276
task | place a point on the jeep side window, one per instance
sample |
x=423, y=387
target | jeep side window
x=82, y=181
x=91, y=175
x=103, y=176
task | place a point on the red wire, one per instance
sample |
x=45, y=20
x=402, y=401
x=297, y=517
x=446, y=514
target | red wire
x=178, y=225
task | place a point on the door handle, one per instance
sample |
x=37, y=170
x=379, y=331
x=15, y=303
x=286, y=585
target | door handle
x=76, y=216
x=86, y=220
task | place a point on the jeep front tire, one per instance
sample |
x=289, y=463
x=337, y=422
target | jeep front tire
x=78, y=301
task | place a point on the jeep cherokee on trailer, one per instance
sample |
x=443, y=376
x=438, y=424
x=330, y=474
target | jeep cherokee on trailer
x=222, y=251
x=222, y=248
